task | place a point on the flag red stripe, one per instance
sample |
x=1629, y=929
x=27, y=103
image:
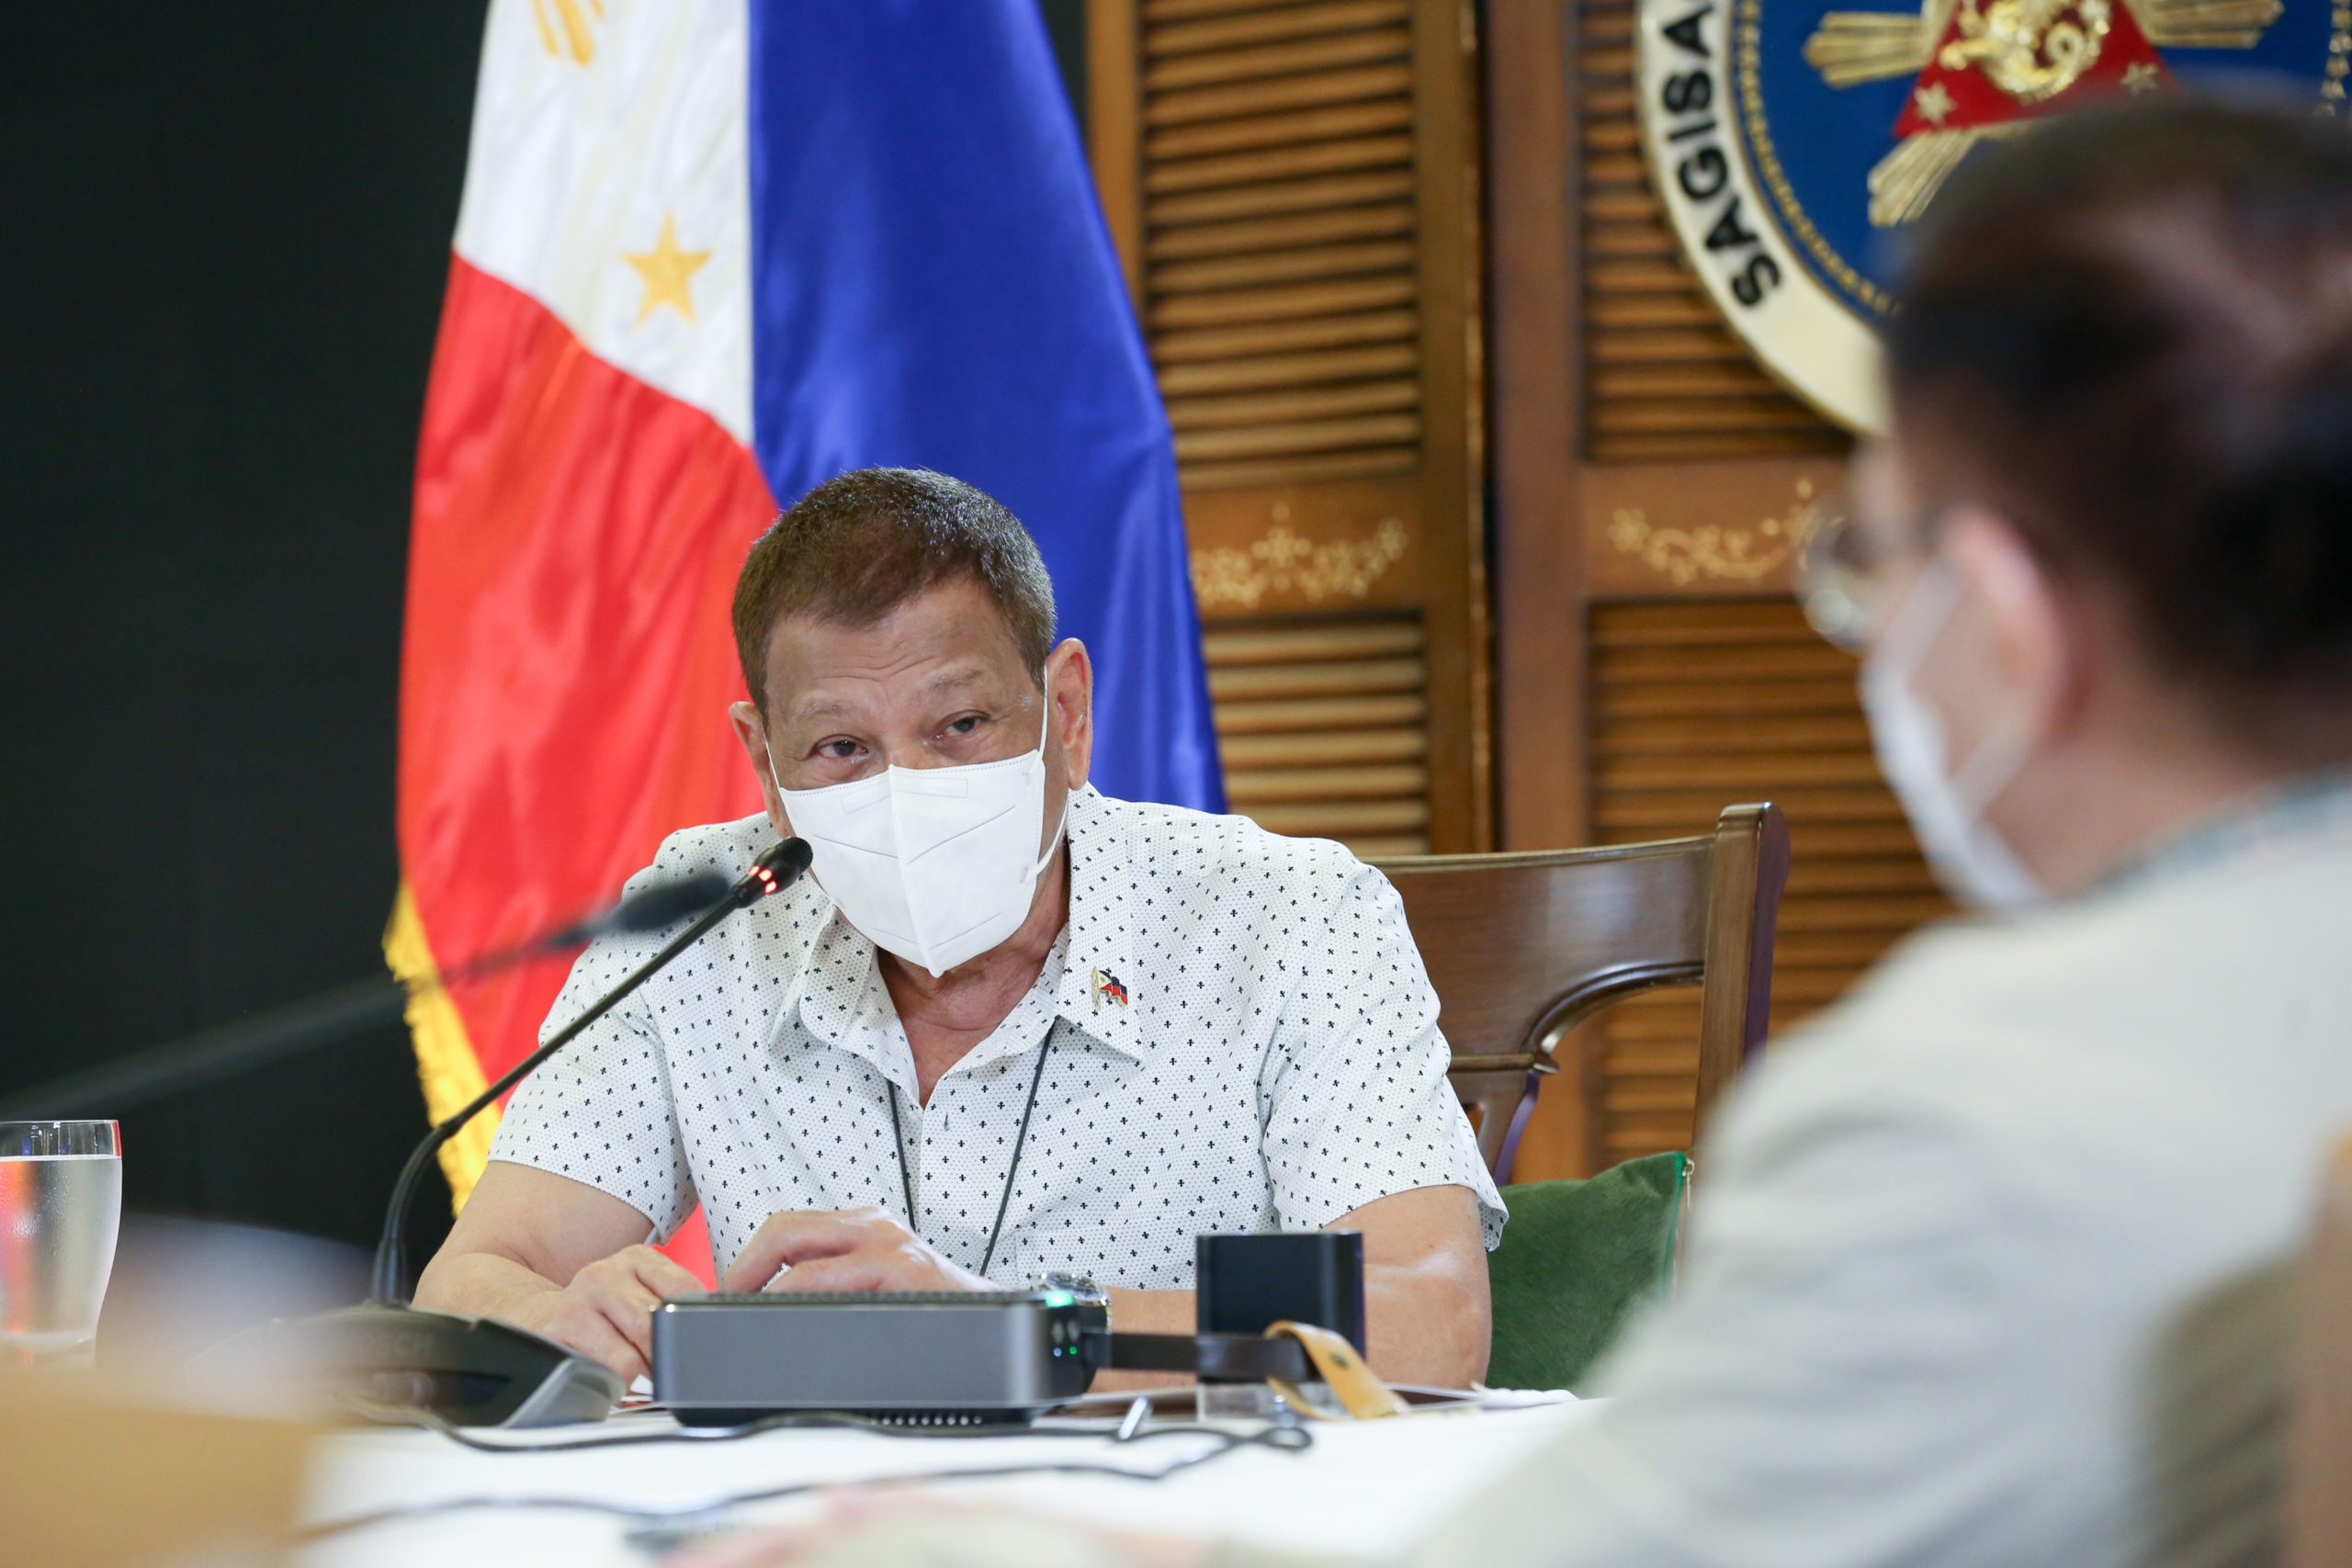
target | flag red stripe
x=568, y=660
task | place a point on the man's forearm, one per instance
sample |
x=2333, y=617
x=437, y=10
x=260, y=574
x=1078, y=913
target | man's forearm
x=481, y=1284
x=1424, y=1326
x=1152, y=1312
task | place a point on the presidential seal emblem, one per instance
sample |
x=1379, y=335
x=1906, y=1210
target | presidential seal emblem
x=1791, y=142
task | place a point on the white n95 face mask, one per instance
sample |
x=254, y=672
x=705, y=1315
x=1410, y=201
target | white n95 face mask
x=934, y=865
x=1946, y=809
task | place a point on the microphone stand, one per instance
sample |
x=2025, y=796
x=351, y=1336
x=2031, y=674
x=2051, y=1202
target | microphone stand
x=469, y=1370
x=774, y=872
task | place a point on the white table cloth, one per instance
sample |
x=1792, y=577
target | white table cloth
x=1364, y=1488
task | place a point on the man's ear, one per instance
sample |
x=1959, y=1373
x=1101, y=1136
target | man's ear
x=2034, y=650
x=752, y=730
x=1069, y=684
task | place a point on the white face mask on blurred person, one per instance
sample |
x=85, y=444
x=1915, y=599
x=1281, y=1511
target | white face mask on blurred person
x=934, y=865
x=1946, y=808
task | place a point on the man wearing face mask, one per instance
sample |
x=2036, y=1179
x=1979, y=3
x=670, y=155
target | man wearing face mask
x=1009, y=1030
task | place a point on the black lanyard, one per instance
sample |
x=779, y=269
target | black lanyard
x=1013, y=1172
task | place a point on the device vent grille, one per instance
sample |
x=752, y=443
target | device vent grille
x=1697, y=703
x=1664, y=378
x=1321, y=728
x=1280, y=239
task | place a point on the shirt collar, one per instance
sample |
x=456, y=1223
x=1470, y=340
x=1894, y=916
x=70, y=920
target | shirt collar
x=844, y=1002
x=2287, y=813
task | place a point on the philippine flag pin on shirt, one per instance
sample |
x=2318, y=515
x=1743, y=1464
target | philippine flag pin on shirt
x=1108, y=989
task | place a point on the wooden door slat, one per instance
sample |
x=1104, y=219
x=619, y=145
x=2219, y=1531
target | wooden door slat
x=1265, y=24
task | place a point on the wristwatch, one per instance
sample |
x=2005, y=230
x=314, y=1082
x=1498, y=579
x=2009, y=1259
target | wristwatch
x=1093, y=1300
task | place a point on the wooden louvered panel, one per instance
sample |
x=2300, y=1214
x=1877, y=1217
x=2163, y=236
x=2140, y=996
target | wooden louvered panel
x=1293, y=186
x=1664, y=378
x=1322, y=728
x=1280, y=282
x=1695, y=703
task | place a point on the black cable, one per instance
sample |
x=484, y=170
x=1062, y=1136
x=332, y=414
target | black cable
x=782, y=1420
x=1019, y=1140
x=906, y=1173
x=1284, y=1439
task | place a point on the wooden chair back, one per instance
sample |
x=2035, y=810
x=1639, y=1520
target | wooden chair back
x=1524, y=947
x=2319, y=1423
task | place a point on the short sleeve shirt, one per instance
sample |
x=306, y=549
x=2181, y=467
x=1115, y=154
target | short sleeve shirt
x=1234, y=1033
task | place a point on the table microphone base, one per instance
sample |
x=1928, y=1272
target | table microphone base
x=470, y=1371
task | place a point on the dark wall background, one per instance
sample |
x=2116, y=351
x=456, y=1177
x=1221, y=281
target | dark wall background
x=226, y=235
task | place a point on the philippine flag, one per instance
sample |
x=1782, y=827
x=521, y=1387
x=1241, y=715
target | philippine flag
x=713, y=253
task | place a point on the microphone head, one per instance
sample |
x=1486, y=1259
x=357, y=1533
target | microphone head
x=780, y=867
x=667, y=903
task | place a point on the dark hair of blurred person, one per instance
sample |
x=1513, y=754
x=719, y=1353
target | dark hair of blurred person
x=2132, y=342
x=1946, y=1236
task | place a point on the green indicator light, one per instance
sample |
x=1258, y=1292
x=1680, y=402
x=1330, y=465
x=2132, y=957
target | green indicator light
x=1060, y=1299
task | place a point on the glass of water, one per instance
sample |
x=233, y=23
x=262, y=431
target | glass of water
x=60, y=1203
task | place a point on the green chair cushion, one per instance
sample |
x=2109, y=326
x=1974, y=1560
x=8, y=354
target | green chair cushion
x=1576, y=1259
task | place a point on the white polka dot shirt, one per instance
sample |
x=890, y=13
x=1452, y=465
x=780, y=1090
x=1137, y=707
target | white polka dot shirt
x=1233, y=1033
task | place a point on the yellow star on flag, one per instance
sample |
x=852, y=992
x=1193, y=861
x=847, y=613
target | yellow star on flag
x=1935, y=103
x=666, y=270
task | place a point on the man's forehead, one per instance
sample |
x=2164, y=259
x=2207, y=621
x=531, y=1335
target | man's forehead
x=857, y=691
x=946, y=639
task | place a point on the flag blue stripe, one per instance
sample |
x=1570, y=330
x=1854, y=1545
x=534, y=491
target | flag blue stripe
x=933, y=287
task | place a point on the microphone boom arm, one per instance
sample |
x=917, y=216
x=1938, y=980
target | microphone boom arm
x=774, y=872
x=216, y=1053
x=226, y=1050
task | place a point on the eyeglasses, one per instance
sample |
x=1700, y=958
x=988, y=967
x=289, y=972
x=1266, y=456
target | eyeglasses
x=1832, y=576
x=1837, y=570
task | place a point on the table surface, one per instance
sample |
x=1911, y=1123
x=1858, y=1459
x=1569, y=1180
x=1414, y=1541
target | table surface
x=1363, y=1488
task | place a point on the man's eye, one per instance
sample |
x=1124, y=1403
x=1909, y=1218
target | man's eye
x=964, y=725
x=837, y=748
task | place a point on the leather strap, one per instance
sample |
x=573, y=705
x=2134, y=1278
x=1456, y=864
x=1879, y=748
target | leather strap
x=1359, y=1389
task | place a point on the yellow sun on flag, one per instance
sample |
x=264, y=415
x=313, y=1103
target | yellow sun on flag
x=667, y=270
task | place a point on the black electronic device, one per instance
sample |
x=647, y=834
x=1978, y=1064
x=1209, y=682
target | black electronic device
x=966, y=1359
x=475, y=1371
x=952, y=1358
x=1242, y=1283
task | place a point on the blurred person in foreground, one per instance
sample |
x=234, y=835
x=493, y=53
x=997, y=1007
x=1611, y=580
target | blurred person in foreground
x=2102, y=567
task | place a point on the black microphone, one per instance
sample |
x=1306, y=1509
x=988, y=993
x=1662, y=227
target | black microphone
x=774, y=872
x=472, y=1372
x=261, y=1038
